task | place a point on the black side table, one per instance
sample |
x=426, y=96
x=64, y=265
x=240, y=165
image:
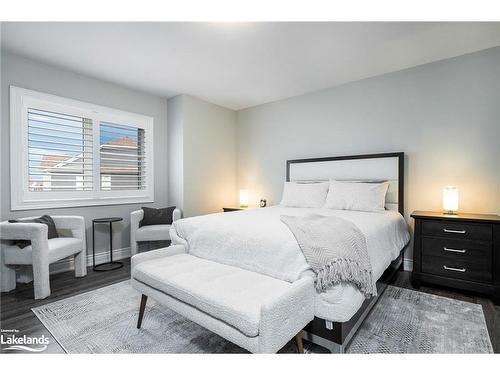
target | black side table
x=109, y=266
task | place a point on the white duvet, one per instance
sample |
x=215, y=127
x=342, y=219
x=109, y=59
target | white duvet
x=258, y=241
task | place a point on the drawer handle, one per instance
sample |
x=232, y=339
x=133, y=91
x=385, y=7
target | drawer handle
x=454, y=269
x=454, y=231
x=462, y=251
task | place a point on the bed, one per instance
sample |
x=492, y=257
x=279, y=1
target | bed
x=258, y=241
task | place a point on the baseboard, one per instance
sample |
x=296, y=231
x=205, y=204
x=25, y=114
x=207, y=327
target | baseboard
x=68, y=263
x=407, y=264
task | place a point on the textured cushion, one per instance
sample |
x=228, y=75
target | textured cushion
x=153, y=233
x=45, y=219
x=304, y=195
x=59, y=248
x=227, y=293
x=356, y=196
x=157, y=216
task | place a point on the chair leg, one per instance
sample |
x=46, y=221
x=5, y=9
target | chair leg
x=41, y=281
x=144, y=299
x=81, y=264
x=7, y=277
x=133, y=248
x=298, y=342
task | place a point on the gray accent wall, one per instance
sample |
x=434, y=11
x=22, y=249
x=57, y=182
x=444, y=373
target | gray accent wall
x=445, y=116
x=33, y=75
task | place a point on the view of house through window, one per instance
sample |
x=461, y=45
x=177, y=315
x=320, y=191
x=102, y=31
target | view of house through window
x=122, y=158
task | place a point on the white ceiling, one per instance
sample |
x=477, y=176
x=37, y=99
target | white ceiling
x=239, y=65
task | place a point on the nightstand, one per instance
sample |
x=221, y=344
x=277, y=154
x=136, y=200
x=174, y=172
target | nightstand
x=460, y=251
x=231, y=209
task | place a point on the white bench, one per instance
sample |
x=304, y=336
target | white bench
x=254, y=311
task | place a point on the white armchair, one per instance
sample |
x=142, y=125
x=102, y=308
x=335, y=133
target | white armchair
x=42, y=251
x=159, y=232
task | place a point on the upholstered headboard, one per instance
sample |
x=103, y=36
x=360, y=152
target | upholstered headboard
x=372, y=167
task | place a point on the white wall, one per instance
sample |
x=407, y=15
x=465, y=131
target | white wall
x=34, y=75
x=445, y=116
x=203, y=175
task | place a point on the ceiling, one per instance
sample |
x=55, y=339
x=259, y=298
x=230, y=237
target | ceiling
x=239, y=65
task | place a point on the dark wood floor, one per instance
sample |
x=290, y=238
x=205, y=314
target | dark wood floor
x=15, y=306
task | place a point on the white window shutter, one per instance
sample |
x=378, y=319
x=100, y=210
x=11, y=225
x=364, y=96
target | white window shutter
x=59, y=152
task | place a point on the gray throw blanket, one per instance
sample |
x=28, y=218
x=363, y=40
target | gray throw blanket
x=335, y=249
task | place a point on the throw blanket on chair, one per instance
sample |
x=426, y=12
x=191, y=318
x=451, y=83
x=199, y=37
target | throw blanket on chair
x=335, y=249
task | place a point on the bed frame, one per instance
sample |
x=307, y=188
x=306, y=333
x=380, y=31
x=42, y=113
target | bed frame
x=335, y=336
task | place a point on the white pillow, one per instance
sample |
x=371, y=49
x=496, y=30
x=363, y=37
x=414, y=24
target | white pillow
x=356, y=196
x=296, y=194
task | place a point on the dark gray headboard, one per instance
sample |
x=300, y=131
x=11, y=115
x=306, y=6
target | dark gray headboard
x=371, y=167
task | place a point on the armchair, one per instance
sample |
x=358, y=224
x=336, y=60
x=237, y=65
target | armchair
x=148, y=232
x=42, y=251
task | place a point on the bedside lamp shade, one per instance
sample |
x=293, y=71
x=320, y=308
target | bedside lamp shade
x=450, y=199
x=243, y=198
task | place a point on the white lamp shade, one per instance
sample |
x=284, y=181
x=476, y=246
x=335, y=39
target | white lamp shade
x=243, y=198
x=450, y=199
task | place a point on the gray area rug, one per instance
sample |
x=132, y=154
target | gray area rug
x=403, y=321
x=408, y=321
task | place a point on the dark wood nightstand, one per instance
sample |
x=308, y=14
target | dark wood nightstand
x=460, y=251
x=231, y=209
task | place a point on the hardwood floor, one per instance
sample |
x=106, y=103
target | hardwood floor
x=15, y=306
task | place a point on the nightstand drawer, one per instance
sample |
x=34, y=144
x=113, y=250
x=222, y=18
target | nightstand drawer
x=457, y=269
x=472, y=251
x=460, y=230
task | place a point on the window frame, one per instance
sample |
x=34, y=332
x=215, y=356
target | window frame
x=22, y=199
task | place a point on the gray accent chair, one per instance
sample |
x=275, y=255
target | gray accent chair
x=148, y=233
x=42, y=251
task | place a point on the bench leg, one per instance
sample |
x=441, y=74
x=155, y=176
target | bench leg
x=144, y=299
x=298, y=342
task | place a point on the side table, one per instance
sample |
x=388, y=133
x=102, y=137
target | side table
x=111, y=265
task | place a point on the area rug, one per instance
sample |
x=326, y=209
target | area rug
x=403, y=321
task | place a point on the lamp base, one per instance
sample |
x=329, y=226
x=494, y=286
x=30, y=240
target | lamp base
x=450, y=212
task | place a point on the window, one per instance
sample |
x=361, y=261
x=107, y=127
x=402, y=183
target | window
x=68, y=153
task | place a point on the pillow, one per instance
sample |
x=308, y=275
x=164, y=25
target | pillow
x=296, y=194
x=357, y=196
x=157, y=216
x=45, y=219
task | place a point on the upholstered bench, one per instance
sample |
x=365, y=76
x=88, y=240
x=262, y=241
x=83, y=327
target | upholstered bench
x=256, y=312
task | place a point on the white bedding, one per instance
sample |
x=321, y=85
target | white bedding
x=257, y=240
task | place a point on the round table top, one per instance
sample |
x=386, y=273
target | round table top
x=107, y=219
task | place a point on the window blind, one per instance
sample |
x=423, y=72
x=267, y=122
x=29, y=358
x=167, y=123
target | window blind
x=59, y=152
x=122, y=155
